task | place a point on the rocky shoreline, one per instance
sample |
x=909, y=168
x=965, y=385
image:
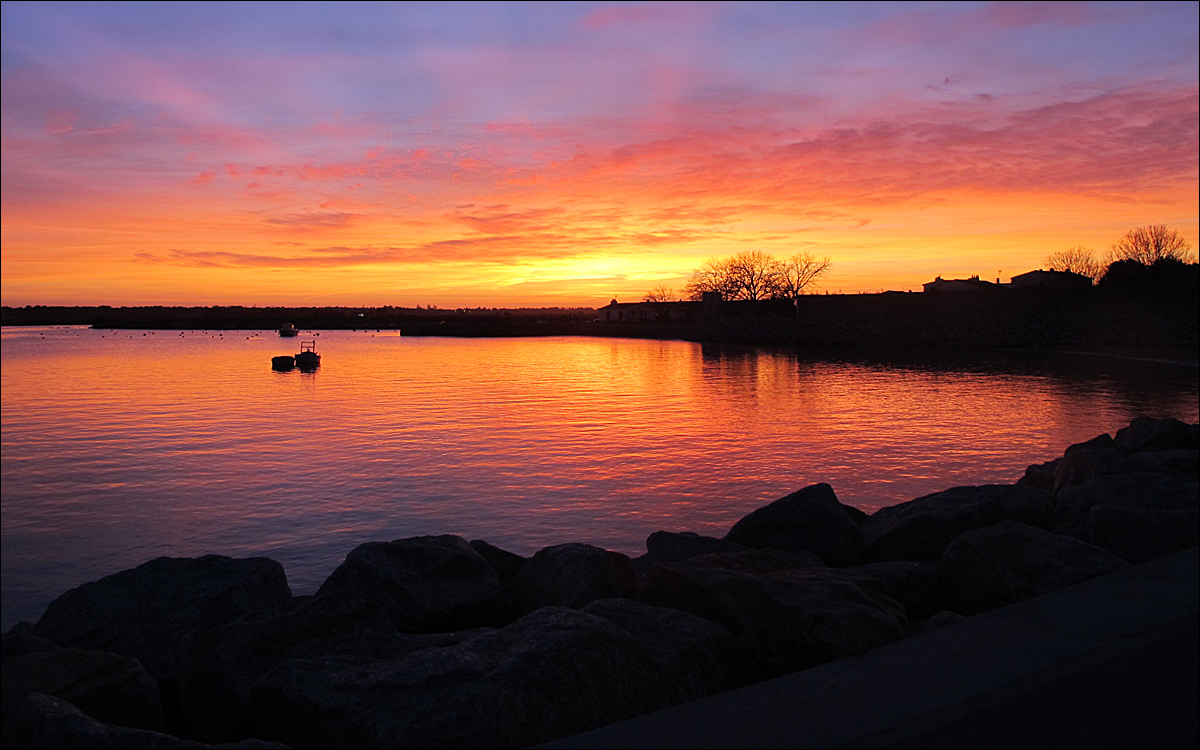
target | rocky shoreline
x=439, y=642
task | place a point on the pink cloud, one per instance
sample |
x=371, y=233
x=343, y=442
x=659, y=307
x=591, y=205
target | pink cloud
x=1013, y=15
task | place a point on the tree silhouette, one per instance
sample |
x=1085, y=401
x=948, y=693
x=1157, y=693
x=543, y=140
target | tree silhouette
x=660, y=293
x=713, y=275
x=798, y=272
x=756, y=275
x=1149, y=244
x=1080, y=260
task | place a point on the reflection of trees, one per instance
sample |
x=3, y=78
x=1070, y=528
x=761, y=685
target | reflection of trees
x=739, y=373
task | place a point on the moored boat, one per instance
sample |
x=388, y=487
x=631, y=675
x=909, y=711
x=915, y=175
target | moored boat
x=284, y=362
x=307, y=358
x=288, y=330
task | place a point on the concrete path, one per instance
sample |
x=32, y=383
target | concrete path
x=1111, y=662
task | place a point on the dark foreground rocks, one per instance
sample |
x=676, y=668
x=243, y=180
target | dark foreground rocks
x=440, y=642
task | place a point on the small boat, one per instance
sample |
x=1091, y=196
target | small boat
x=288, y=331
x=285, y=362
x=307, y=358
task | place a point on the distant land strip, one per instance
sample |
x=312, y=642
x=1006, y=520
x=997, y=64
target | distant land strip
x=1093, y=319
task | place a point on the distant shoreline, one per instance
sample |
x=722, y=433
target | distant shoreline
x=1092, y=322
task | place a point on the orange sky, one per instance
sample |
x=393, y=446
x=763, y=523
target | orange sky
x=564, y=154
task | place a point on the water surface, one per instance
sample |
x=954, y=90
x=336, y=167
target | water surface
x=121, y=446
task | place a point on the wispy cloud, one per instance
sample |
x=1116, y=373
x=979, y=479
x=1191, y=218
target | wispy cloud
x=657, y=133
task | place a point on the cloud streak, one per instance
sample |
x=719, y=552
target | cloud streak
x=653, y=135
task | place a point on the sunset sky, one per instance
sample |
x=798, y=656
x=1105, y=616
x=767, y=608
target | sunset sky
x=539, y=154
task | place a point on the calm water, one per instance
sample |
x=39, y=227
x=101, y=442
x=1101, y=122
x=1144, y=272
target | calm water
x=123, y=446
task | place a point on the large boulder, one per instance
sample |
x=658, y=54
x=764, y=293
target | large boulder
x=220, y=665
x=425, y=584
x=909, y=582
x=921, y=529
x=45, y=721
x=998, y=565
x=19, y=639
x=671, y=546
x=696, y=657
x=1182, y=462
x=144, y=612
x=1139, y=516
x=552, y=673
x=1040, y=476
x=108, y=687
x=809, y=520
x=573, y=575
x=506, y=564
x=1148, y=432
x=787, y=617
x=1086, y=461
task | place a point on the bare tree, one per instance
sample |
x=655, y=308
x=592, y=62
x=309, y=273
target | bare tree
x=754, y=275
x=1149, y=244
x=713, y=275
x=660, y=293
x=1080, y=260
x=797, y=272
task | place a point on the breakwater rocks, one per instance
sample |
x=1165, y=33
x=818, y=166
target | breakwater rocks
x=440, y=642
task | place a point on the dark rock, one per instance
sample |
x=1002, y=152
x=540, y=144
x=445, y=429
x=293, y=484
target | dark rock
x=1147, y=432
x=1040, y=476
x=550, y=674
x=506, y=564
x=44, y=721
x=1140, y=516
x=1184, y=462
x=573, y=575
x=106, y=686
x=998, y=565
x=20, y=640
x=1086, y=461
x=696, y=657
x=425, y=584
x=1103, y=442
x=220, y=665
x=808, y=520
x=669, y=546
x=921, y=529
x=940, y=620
x=908, y=582
x=856, y=515
x=144, y=612
x=787, y=618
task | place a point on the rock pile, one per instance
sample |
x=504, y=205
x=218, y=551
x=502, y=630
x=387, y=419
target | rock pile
x=436, y=641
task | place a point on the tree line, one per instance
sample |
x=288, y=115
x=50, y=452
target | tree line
x=1145, y=255
x=1153, y=255
x=751, y=275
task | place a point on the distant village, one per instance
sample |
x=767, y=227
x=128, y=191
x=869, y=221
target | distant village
x=710, y=306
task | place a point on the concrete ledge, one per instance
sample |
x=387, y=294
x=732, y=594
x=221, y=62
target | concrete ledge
x=1111, y=662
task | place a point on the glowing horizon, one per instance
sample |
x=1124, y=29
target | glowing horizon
x=547, y=154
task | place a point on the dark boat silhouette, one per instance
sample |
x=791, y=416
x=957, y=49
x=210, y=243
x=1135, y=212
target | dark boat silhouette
x=288, y=330
x=307, y=358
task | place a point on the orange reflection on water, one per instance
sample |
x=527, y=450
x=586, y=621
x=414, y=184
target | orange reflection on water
x=120, y=446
